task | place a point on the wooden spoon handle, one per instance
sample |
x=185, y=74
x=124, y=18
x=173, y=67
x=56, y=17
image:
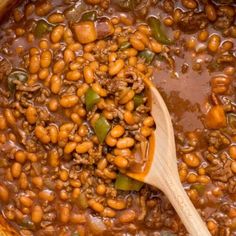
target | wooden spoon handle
x=183, y=206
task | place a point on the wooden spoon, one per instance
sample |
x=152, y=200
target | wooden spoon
x=161, y=168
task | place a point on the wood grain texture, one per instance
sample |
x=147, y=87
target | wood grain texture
x=163, y=172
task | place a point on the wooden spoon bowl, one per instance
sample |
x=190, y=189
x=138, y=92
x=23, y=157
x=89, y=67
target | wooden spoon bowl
x=161, y=169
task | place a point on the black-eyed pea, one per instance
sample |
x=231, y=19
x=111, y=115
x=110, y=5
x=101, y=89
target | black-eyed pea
x=46, y=59
x=57, y=33
x=67, y=127
x=9, y=117
x=59, y=66
x=54, y=158
x=73, y=75
x=4, y=193
x=43, y=74
x=88, y=74
x=126, y=142
x=32, y=157
x=127, y=216
x=34, y=64
x=129, y=118
x=203, y=35
x=3, y=122
x=75, y=193
x=3, y=138
x=82, y=89
x=99, y=90
x=94, y=65
x=53, y=104
x=121, y=162
x=109, y=115
x=96, y=206
x=214, y=43
x=75, y=183
x=41, y=134
x=146, y=131
x=64, y=214
x=192, y=178
x=20, y=156
x=203, y=179
x=112, y=57
x=122, y=152
x=26, y=201
x=23, y=181
x=84, y=147
x=155, y=46
x=68, y=101
x=116, y=67
x=53, y=133
x=31, y=114
x=37, y=214
x=110, y=141
x=117, y=131
x=62, y=138
x=55, y=84
x=183, y=174
x=102, y=164
x=148, y=121
x=190, y=4
x=109, y=174
x=83, y=130
x=227, y=46
x=16, y=169
x=94, y=118
x=168, y=21
x=76, y=218
x=210, y=12
x=144, y=29
x=69, y=56
x=43, y=44
x=108, y=212
x=116, y=204
x=47, y=195
x=74, y=66
x=126, y=96
x=37, y=181
x=133, y=61
x=56, y=18
x=70, y=147
x=191, y=159
x=101, y=189
x=130, y=52
x=76, y=118
x=64, y=175
x=137, y=43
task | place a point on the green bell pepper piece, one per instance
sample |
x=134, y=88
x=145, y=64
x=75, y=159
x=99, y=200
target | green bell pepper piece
x=19, y=75
x=125, y=183
x=90, y=15
x=157, y=30
x=42, y=28
x=147, y=55
x=101, y=128
x=138, y=100
x=199, y=187
x=124, y=45
x=91, y=98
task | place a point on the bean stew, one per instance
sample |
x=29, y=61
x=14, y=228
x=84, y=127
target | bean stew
x=75, y=115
